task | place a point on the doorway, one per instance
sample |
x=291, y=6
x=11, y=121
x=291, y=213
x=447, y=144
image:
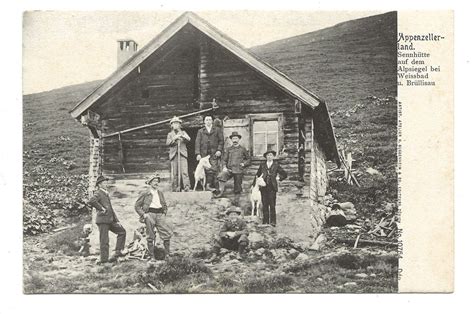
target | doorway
x=192, y=162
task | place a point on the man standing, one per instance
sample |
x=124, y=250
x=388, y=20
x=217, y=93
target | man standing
x=234, y=160
x=107, y=220
x=270, y=169
x=233, y=234
x=210, y=142
x=177, y=140
x=151, y=207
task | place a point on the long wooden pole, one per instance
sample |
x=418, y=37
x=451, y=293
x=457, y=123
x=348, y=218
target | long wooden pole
x=214, y=107
x=350, y=172
x=179, y=166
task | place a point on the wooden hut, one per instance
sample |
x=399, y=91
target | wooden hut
x=186, y=70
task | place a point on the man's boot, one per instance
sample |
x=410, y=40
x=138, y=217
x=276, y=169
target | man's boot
x=221, y=185
x=151, y=250
x=166, y=244
x=242, y=247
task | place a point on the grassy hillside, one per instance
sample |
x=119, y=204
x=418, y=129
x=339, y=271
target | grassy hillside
x=49, y=131
x=342, y=64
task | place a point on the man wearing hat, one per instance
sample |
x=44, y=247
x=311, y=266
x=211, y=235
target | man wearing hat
x=234, y=160
x=177, y=140
x=270, y=169
x=151, y=207
x=233, y=234
x=210, y=142
x=107, y=220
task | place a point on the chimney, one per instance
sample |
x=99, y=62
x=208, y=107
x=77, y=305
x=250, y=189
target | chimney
x=125, y=49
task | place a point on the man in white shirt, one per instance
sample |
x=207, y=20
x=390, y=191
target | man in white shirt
x=151, y=207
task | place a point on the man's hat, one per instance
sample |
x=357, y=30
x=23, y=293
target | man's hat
x=235, y=133
x=233, y=209
x=269, y=152
x=101, y=179
x=153, y=177
x=176, y=119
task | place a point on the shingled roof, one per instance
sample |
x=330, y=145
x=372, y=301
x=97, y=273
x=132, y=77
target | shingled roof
x=275, y=76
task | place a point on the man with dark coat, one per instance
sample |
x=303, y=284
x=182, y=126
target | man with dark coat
x=210, y=142
x=270, y=169
x=233, y=234
x=235, y=159
x=152, y=209
x=107, y=220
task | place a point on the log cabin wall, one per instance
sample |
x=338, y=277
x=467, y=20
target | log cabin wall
x=190, y=69
x=318, y=181
x=94, y=163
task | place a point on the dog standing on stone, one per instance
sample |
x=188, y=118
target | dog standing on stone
x=200, y=173
x=256, y=196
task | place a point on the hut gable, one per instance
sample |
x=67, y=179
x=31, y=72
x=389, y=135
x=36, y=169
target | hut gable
x=184, y=69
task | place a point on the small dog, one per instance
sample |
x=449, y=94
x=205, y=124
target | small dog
x=256, y=197
x=200, y=174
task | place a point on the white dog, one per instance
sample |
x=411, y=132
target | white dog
x=200, y=174
x=256, y=197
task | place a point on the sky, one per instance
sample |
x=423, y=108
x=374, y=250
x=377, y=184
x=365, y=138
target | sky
x=62, y=48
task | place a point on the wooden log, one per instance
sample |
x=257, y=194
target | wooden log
x=153, y=287
x=363, y=242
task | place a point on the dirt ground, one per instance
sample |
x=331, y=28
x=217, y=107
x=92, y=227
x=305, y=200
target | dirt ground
x=278, y=260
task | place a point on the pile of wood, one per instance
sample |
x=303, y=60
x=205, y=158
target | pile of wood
x=343, y=225
x=137, y=249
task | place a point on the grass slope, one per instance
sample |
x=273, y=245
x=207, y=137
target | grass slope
x=342, y=64
x=50, y=131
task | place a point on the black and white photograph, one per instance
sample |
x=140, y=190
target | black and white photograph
x=213, y=152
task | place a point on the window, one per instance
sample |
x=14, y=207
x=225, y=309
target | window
x=265, y=136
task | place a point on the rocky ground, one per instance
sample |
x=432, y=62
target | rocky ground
x=278, y=260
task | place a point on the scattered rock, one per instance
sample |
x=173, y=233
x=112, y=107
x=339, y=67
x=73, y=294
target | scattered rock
x=373, y=171
x=302, y=257
x=351, y=226
x=223, y=203
x=280, y=254
x=293, y=253
x=361, y=275
x=256, y=240
x=347, y=208
x=319, y=243
x=302, y=246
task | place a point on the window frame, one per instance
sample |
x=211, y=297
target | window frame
x=265, y=117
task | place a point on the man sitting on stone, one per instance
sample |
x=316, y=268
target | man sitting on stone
x=233, y=234
x=235, y=159
x=151, y=207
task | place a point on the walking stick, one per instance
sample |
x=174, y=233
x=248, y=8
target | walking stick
x=179, y=166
